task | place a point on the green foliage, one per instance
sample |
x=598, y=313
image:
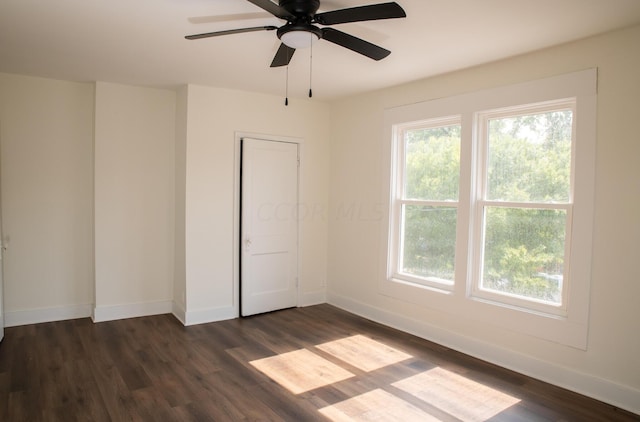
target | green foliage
x=430, y=241
x=432, y=172
x=433, y=163
x=529, y=158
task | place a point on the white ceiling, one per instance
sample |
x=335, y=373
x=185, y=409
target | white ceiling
x=141, y=42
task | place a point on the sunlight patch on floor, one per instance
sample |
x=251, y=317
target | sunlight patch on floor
x=376, y=405
x=459, y=396
x=363, y=353
x=301, y=370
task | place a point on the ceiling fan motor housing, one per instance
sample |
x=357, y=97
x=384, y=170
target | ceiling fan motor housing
x=304, y=11
x=300, y=7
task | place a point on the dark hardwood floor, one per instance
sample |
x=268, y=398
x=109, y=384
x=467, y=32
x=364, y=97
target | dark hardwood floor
x=155, y=369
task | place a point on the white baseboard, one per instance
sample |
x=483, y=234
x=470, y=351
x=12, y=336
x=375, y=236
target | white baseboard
x=131, y=310
x=203, y=316
x=312, y=298
x=618, y=395
x=37, y=316
x=178, y=311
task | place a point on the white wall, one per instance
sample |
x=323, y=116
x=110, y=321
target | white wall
x=46, y=141
x=609, y=368
x=120, y=200
x=214, y=116
x=134, y=200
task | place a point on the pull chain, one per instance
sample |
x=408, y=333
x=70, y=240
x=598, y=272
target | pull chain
x=286, y=89
x=310, y=64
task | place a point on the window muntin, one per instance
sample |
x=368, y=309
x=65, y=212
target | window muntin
x=425, y=212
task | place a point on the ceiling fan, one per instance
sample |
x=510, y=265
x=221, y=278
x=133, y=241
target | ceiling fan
x=301, y=31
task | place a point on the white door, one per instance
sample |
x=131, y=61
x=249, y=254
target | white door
x=269, y=226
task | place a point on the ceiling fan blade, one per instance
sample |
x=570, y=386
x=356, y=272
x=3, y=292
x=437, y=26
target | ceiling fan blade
x=354, y=44
x=230, y=31
x=228, y=18
x=362, y=13
x=272, y=8
x=283, y=56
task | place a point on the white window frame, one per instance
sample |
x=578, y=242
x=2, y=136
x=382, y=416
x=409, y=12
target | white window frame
x=565, y=325
x=480, y=204
x=399, y=201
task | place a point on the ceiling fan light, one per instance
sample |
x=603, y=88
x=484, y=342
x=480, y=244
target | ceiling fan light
x=299, y=39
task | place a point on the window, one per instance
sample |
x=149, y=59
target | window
x=524, y=204
x=427, y=201
x=491, y=202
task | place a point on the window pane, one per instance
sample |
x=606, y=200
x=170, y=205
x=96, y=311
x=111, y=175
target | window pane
x=529, y=158
x=429, y=241
x=432, y=163
x=524, y=252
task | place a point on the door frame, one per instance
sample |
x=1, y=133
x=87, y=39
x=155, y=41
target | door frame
x=3, y=248
x=237, y=181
